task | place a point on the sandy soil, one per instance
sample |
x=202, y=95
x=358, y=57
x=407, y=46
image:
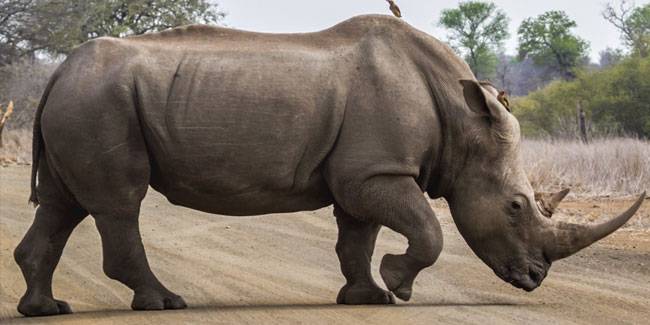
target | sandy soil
x=283, y=269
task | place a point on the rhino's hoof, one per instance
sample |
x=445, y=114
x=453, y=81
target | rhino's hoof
x=153, y=300
x=398, y=275
x=39, y=305
x=364, y=295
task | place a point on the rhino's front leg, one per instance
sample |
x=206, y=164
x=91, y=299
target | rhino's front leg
x=355, y=245
x=398, y=203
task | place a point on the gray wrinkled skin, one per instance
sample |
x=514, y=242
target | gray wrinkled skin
x=366, y=115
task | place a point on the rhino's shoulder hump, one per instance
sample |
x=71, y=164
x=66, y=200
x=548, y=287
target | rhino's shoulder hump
x=376, y=26
x=372, y=22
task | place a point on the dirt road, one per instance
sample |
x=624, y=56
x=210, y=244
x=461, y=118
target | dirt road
x=283, y=269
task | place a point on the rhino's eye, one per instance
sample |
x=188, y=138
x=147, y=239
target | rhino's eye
x=515, y=205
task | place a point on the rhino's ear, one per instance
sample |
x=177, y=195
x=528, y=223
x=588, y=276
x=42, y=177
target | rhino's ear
x=483, y=101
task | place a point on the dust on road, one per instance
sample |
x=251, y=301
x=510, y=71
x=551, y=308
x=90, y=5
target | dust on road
x=283, y=269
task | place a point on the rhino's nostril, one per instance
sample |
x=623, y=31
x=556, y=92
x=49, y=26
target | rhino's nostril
x=535, y=276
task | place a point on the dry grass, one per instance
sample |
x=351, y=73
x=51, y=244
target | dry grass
x=17, y=147
x=604, y=167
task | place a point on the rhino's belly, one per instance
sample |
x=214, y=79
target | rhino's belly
x=254, y=202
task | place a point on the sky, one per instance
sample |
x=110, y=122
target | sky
x=288, y=16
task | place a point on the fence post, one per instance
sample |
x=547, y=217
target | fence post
x=582, y=125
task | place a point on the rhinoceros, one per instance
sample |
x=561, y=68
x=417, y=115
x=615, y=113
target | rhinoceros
x=368, y=116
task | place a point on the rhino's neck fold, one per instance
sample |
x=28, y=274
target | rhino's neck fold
x=443, y=70
x=451, y=152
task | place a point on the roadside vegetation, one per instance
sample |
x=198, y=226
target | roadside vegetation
x=616, y=101
x=17, y=148
x=604, y=167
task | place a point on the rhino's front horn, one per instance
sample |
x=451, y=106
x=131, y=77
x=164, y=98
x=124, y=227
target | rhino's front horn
x=569, y=238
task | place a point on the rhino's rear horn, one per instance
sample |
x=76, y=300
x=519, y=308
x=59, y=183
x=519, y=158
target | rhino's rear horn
x=547, y=203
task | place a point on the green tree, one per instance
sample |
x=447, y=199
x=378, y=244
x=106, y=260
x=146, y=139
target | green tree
x=610, y=57
x=616, y=99
x=477, y=30
x=56, y=26
x=634, y=25
x=548, y=40
x=13, y=14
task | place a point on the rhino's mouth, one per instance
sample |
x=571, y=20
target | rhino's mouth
x=527, y=282
x=527, y=278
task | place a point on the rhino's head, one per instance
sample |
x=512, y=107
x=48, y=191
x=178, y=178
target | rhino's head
x=494, y=205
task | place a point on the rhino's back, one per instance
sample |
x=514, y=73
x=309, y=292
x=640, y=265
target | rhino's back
x=346, y=33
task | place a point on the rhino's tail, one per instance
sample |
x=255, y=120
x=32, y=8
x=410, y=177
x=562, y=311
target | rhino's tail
x=37, y=140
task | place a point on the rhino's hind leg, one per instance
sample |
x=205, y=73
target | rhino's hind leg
x=355, y=245
x=125, y=261
x=38, y=254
